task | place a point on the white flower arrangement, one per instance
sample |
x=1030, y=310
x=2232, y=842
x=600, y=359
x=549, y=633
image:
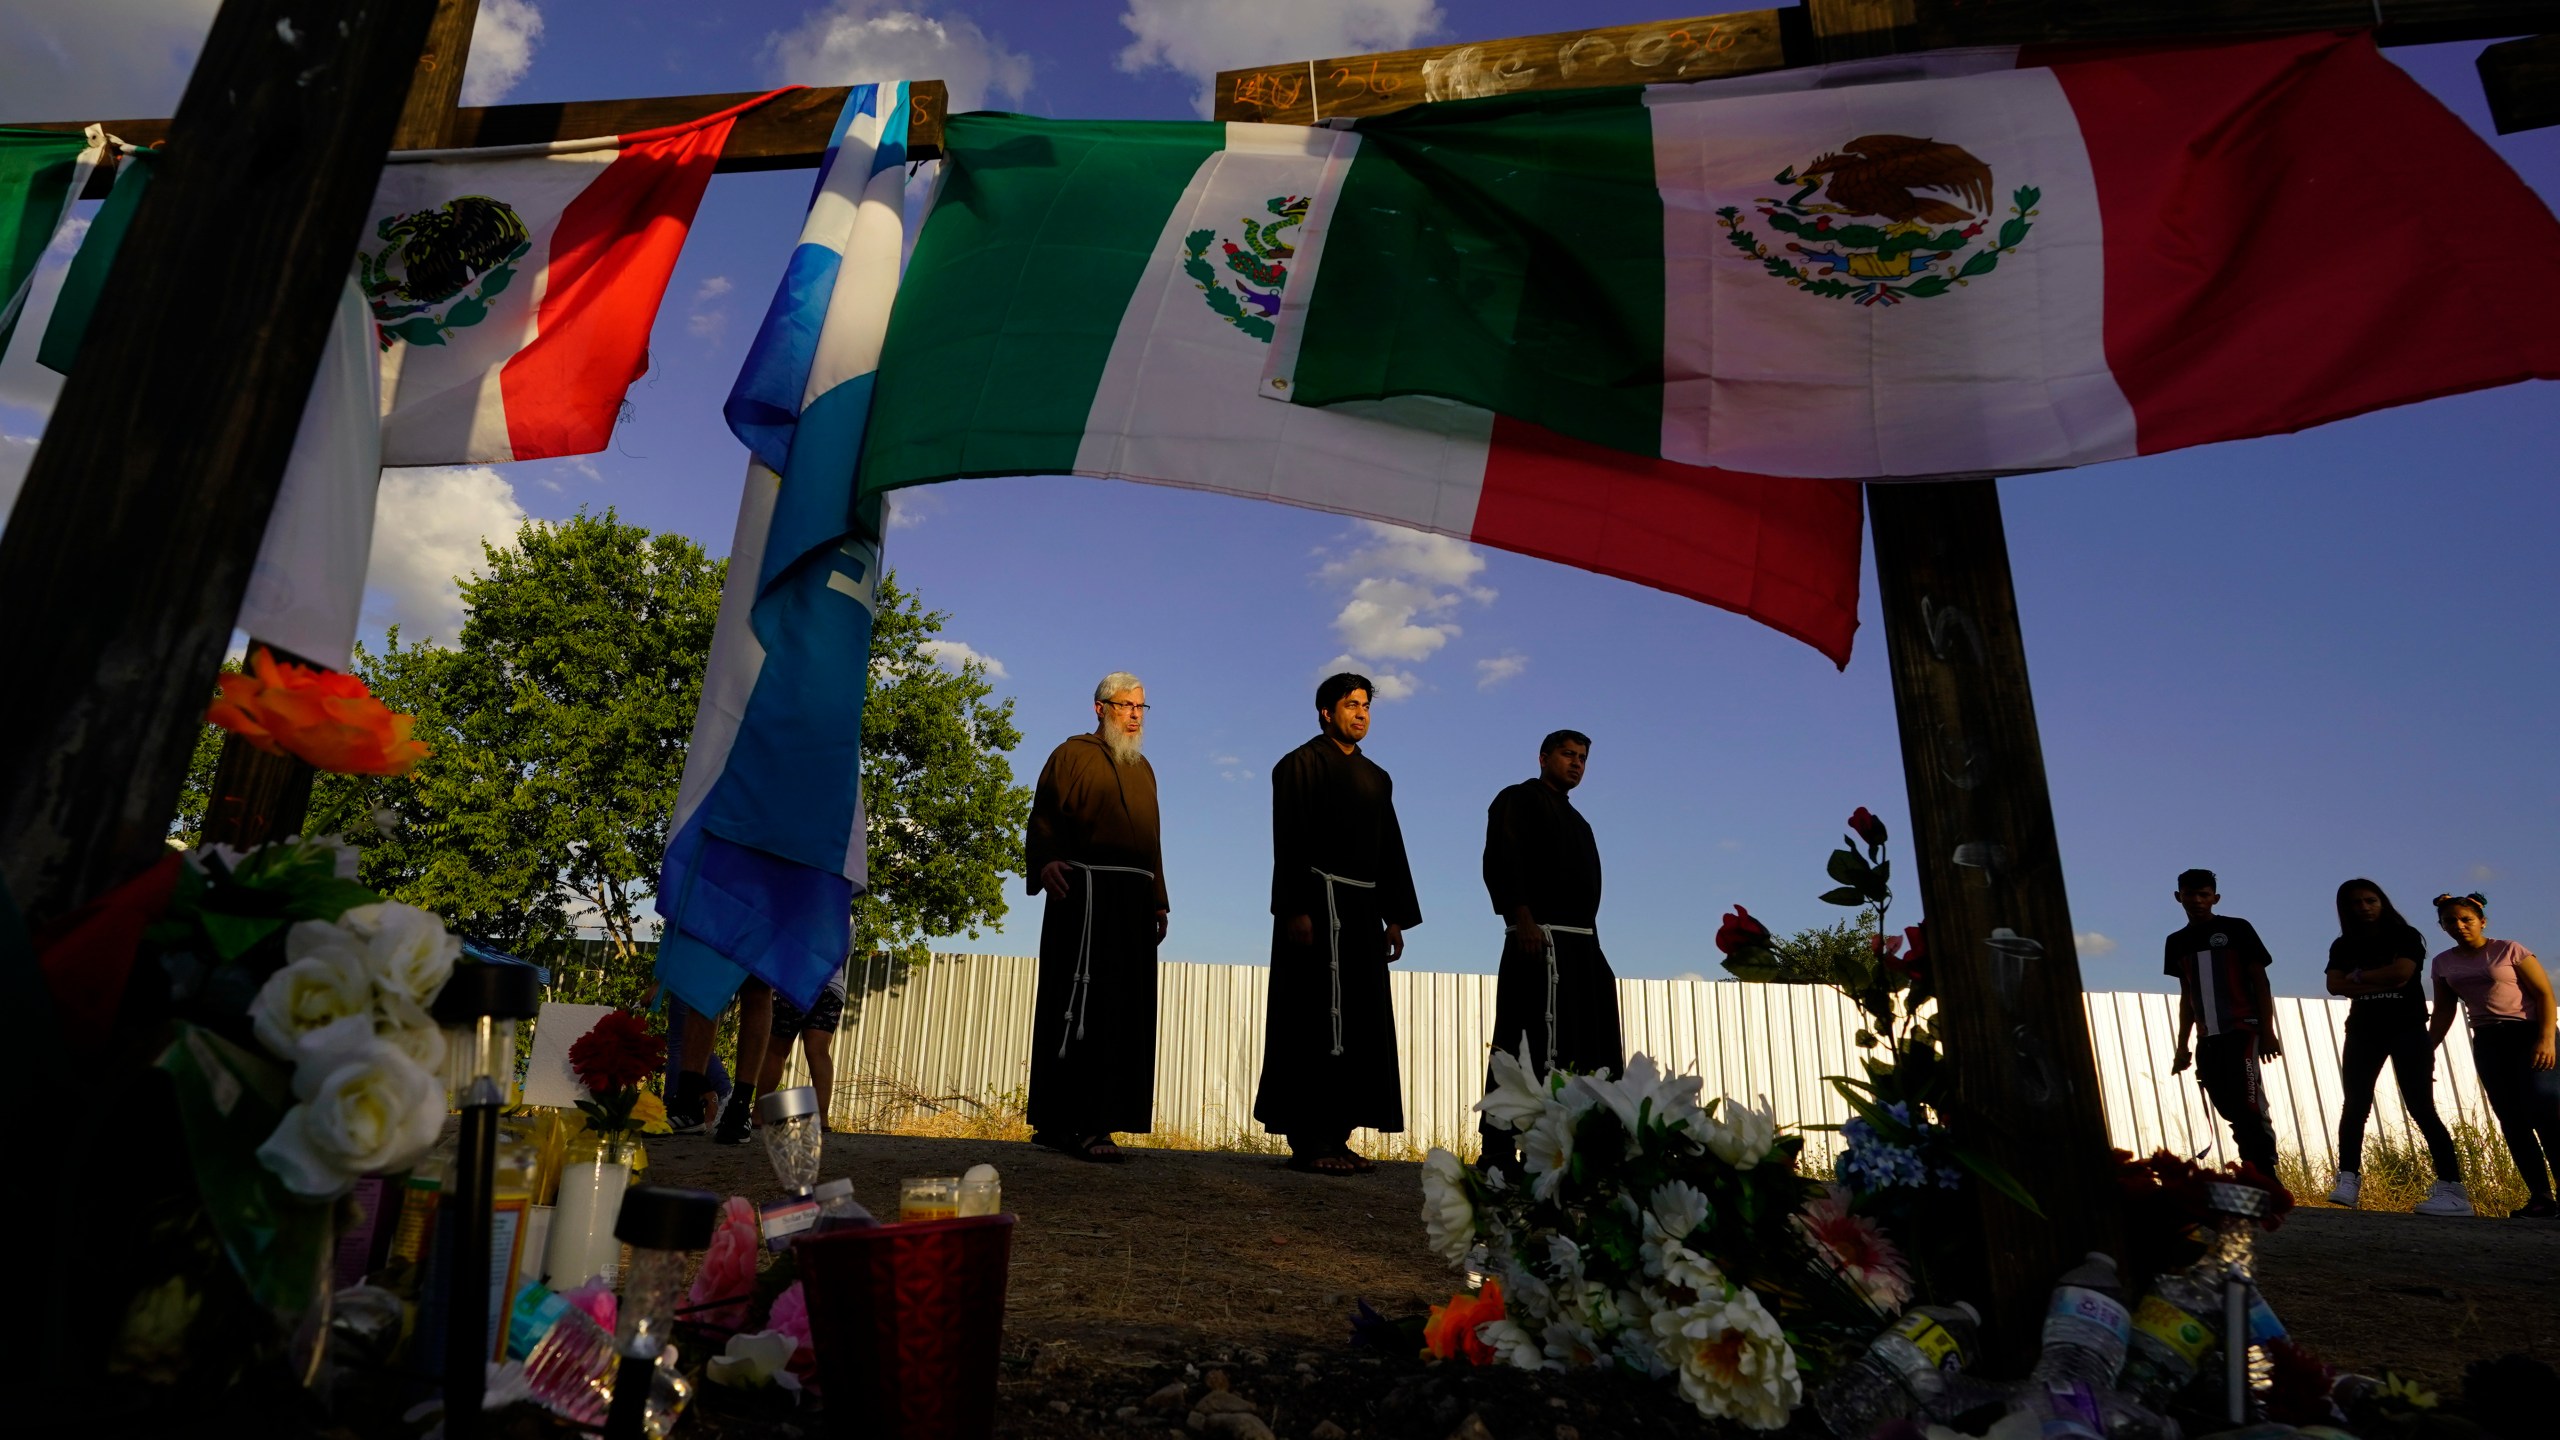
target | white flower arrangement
x=349, y=1012
x=1656, y=1234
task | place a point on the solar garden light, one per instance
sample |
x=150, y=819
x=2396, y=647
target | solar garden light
x=664, y=1226
x=478, y=1010
x=795, y=1136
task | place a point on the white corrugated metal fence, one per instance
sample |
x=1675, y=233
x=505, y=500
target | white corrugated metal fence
x=956, y=1033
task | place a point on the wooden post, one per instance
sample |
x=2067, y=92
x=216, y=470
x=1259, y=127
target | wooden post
x=141, y=515
x=1999, y=922
x=2522, y=78
x=258, y=797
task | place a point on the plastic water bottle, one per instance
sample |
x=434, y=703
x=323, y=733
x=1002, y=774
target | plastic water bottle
x=2070, y=1410
x=2087, y=1327
x=1907, y=1370
x=2177, y=1328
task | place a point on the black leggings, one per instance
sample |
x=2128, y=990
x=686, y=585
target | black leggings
x=2413, y=1067
x=2525, y=1100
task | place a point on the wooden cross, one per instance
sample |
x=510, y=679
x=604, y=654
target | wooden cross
x=2007, y=971
x=257, y=795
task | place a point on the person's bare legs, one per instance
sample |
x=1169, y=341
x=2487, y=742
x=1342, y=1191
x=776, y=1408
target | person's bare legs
x=777, y=1058
x=819, y=1046
x=755, y=1034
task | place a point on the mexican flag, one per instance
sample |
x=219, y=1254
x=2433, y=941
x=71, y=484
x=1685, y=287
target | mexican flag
x=1097, y=298
x=515, y=286
x=41, y=174
x=1957, y=262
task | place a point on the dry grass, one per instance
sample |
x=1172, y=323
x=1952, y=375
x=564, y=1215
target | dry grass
x=885, y=1105
x=2397, y=1172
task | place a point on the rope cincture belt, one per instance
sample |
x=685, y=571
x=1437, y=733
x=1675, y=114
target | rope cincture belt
x=1552, y=932
x=1333, y=921
x=1080, y=994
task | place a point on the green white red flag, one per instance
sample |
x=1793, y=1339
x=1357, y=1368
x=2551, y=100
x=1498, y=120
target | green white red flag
x=1094, y=298
x=1958, y=262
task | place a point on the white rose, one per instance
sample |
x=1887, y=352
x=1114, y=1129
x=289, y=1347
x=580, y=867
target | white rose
x=1448, y=1216
x=406, y=948
x=364, y=1107
x=419, y=1039
x=324, y=981
x=1517, y=1096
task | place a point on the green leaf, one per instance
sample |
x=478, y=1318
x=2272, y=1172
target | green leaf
x=1980, y=262
x=2013, y=233
x=1757, y=966
x=1996, y=1177
x=465, y=313
x=2026, y=198
x=495, y=283
x=421, y=330
x=1844, y=895
x=235, y=935
x=229, y=1102
x=328, y=899
x=1847, y=866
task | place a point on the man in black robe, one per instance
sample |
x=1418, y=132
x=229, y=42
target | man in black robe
x=1341, y=900
x=1096, y=850
x=1542, y=870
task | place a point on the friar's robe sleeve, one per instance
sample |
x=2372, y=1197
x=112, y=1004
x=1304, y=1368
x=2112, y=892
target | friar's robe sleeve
x=1505, y=854
x=1397, y=903
x=1295, y=785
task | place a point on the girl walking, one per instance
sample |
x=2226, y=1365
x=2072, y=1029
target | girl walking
x=2378, y=961
x=2507, y=998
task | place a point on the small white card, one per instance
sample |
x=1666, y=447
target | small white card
x=548, y=1080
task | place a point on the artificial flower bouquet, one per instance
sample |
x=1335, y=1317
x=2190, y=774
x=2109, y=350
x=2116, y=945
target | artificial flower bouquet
x=288, y=1010
x=1649, y=1232
x=612, y=1059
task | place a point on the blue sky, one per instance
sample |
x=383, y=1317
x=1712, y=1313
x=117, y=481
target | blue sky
x=2293, y=659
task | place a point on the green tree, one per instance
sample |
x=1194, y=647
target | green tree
x=946, y=819
x=559, y=722
x=1841, y=953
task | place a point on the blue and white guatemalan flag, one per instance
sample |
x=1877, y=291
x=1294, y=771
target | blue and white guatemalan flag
x=767, y=848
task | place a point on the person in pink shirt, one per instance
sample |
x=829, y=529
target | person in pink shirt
x=2505, y=994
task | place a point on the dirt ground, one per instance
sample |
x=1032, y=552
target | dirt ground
x=1174, y=1264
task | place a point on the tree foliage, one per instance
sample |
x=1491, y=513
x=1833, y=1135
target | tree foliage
x=560, y=721
x=946, y=819
x=1841, y=953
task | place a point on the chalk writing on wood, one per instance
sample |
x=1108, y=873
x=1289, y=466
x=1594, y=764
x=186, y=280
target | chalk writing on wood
x=1308, y=91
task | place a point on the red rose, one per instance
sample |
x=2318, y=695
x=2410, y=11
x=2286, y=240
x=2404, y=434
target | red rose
x=617, y=1054
x=1867, y=827
x=1914, y=953
x=1740, y=932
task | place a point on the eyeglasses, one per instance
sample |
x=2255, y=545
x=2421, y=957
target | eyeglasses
x=1125, y=706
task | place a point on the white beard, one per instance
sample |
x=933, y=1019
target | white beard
x=1124, y=748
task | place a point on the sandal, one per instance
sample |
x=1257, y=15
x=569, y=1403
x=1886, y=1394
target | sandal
x=1337, y=1165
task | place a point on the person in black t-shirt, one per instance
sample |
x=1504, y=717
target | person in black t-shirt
x=2378, y=961
x=2221, y=966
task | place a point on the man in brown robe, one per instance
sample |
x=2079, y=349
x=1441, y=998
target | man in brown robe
x=1341, y=899
x=1096, y=850
x=1542, y=870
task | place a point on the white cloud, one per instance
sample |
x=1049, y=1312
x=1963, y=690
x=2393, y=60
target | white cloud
x=2092, y=944
x=1199, y=38
x=98, y=59
x=427, y=529
x=1689, y=975
x=952, y=654
x=1391, y=683
x=710, y=318
x=1495, y=669
x=2482, y=873
x=1226, y=759
x=911, y=507
x=502, y=42
x=856, y=40
x=1404, y=586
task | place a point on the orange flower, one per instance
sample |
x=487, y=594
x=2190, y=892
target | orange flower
x=1451, y=1330
x=322, y=717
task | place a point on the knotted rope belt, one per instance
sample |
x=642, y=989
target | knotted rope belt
x=1333, y=922
x=1552, y=932
x=1080, y=994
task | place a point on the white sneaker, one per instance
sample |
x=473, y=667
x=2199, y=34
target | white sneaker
x=2349, y=1185
x=2447, y=1198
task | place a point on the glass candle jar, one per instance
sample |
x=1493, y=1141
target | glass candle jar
x=930, y=1197
x=981, y=1192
